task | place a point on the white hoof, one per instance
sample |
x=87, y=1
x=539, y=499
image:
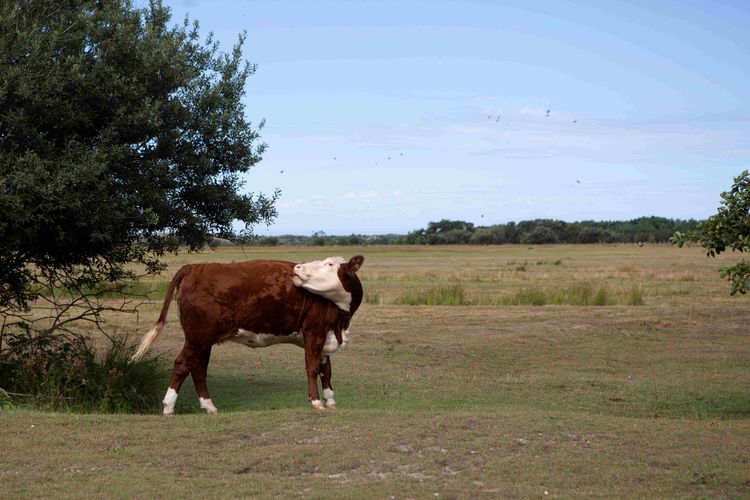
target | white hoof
x=328, y=396
x=169, y=401
x=317, y=405
x=208, y=405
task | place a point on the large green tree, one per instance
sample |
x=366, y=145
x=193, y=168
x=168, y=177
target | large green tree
x=728, y=229
x=121, y=138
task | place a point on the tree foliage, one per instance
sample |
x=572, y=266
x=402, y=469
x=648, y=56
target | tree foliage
x=728, y=229
x=121, y=138
x=538, y=231
x=542, y=231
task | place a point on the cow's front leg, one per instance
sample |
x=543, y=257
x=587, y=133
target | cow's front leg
x=325, y=381
x=313, y=352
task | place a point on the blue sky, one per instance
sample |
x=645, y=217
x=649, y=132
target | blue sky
x=383, y=116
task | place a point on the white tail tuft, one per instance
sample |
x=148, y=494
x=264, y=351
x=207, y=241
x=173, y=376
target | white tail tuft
x=147, y=341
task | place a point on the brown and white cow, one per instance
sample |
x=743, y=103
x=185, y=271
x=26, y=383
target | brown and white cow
x=260, y=303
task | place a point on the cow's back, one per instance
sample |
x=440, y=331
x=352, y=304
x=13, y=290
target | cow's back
x=218, y=299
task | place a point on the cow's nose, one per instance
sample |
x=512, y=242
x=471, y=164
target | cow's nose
x=298, y=267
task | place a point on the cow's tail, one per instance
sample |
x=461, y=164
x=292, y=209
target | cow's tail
x=155, y=331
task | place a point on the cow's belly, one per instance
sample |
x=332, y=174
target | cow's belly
x=255, y=340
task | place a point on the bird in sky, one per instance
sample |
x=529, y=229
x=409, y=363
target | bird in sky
x=547, y=115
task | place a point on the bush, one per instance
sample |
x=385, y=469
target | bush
x=64, y=372
x=373, y=298
x=635, y=296
x=582, y=295
x=576, y=295
x=529, y=297
x=601, y=298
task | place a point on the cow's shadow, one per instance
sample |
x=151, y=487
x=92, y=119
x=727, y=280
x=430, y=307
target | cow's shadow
x=242, y=379
x=247, y=392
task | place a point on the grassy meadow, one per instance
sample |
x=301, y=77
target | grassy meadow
x=472, y=372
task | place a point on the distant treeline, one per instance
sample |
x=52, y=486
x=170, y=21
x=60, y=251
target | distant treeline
x=536, y=232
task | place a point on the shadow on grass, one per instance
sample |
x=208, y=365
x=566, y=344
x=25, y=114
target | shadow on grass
x=246, y=392
x=284, y=389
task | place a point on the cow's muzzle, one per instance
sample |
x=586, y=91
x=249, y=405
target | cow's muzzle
x=297, y=279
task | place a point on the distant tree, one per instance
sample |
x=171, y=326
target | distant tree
x=589, y=235
x=318, y=238
x=728, y=229
x=416, y=237
x=454, y=236
x=485, y=236
x=352, y=239
x=445, y=225
x=540, y=235
x=386, y=239
x=511, y=233
x=448, y=232
x=266, y=241
x=121, y=138
x=497, y=234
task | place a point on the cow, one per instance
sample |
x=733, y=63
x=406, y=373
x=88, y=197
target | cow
x=260, y=303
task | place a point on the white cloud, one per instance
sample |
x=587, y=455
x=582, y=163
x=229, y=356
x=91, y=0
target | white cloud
x=297, y=202
x=536, y=112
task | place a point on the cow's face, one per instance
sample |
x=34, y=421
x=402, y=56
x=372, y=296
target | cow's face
x=334, y=278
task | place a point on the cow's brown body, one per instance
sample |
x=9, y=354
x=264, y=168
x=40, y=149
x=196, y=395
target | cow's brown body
x=219, y=302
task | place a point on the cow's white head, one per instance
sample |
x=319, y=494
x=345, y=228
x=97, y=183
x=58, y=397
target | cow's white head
x=334, y=278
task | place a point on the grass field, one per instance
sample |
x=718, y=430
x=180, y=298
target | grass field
x=631, y=380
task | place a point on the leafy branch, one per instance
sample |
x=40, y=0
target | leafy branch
x=728, y=229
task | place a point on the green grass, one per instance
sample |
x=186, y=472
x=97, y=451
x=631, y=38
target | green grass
x=577, y=295
x=635, y=297
x=441, y=295
x=584, y=397
x=581, y=294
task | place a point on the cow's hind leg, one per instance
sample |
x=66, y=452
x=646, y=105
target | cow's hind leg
x=325, y=381
x=199, y=373
x=182, y=366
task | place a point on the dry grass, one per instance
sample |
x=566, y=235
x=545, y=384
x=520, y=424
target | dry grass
x=469, y=401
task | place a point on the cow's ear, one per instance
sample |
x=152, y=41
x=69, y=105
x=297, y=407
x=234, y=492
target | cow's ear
x=354, y=264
